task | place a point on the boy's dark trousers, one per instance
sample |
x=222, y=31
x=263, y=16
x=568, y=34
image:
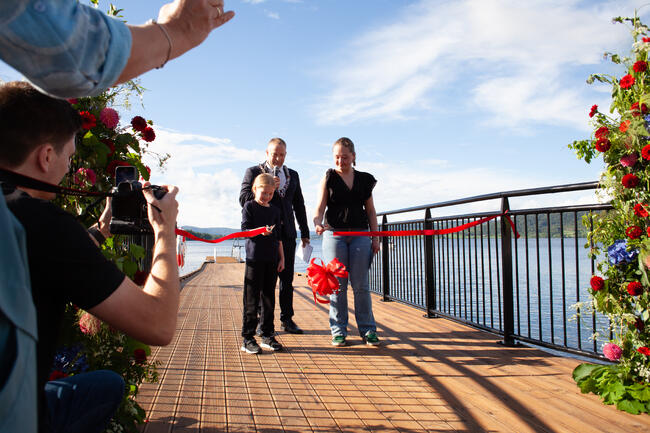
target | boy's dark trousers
x=259, y=282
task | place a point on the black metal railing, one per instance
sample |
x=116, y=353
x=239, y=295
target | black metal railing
x=530, y=289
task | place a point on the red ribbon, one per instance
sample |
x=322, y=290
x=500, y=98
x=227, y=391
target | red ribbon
x=246, y=234
x=322, y=279
x=431, y=232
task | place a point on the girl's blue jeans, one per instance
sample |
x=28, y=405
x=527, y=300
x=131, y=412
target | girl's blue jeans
x=355, y=253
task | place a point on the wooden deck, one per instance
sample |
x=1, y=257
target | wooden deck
x=429, y=375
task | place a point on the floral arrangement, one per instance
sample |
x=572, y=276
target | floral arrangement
x=87, y=343
x=620, y=239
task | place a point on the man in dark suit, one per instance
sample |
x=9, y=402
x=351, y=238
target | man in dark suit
x=288, y=198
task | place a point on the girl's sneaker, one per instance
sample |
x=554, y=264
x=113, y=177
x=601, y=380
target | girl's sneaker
x=251, y=346
x=338, y=340
x=271, y=343
x=371, y=339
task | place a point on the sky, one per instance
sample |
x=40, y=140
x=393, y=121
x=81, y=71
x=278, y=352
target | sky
x=443, y=99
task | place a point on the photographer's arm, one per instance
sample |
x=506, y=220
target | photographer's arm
x=43, y=42
x=149, y=314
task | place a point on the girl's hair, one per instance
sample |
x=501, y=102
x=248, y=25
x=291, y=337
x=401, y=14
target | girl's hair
x=347, y=143
x=263, y=179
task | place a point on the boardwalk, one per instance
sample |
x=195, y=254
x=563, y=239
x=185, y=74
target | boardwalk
x=429, y=375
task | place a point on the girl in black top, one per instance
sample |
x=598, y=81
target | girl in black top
x=345, y=200
x=264, y=259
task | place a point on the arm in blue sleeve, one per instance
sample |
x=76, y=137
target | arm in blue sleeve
x=64, y=48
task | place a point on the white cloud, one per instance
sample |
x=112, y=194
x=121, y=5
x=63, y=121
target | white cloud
x=515, y=61
x=272, y=15
x=208, y=172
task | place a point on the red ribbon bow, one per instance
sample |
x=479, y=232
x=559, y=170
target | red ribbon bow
x=322, y=279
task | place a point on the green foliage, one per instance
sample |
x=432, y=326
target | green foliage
x=100, y=147
x=622, y=235
x=614, y=387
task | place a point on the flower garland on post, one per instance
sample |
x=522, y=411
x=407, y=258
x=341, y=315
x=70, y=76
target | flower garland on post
x=620, y=239
x=87, y=343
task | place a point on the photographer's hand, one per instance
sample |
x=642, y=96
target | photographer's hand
x=104, y=222
x=101, y=231
x=162, y=212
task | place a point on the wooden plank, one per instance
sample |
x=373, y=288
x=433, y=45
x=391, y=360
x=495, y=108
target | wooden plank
x=428, y=374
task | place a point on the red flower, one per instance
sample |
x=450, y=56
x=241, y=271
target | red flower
x=644, y=351
x=148, y=134
x=640, y=66
x=602, y=145
x=630, y=181
x=138, y=123
x=645, y=152
x=633, y=232
x=89, y=324
x=629, y=160
x=635, y=109
x=594, y=110
x=597, y=283
x=57, y=374
x=601, y=132
x=640, y=210
x=639, y=325
x=110, y=145
x=634, y=288
x=109, y=117
x=612, y=351
x=110, y=169
x=140, y=277
x=140, y=356
x=627, y=81
x=644, y=39
x=73, y=101
x=624, y=126
x=88, y=120
x=85, y=175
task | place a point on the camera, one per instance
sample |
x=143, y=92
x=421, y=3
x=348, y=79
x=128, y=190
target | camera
x=128, y=206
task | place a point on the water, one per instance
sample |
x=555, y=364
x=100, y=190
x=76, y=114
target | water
x=196, y=252
x=549, y=278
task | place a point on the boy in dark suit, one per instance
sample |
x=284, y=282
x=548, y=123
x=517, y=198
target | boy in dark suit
x=288, y=198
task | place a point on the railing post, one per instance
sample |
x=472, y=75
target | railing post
x=429, y=280
x=385, y=263
x=506, y=277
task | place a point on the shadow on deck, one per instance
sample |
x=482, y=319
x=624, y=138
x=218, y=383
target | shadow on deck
x=429, y=375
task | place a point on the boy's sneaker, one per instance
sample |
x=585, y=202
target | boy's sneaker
x=251, y=346
x=271, y=343
x=338, y=340
x=371, y=339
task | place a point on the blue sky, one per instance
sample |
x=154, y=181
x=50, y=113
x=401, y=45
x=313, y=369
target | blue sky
x=443, y=99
